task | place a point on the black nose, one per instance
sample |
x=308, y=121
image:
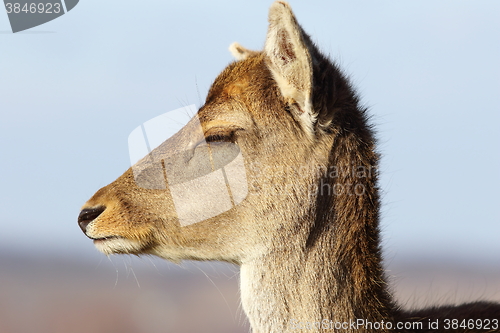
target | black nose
x=88, y=215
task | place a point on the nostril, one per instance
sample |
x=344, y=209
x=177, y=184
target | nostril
x=88, y=215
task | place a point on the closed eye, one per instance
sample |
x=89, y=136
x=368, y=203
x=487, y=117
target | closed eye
x=214, y=139
x=218, y=138
x=220, y=135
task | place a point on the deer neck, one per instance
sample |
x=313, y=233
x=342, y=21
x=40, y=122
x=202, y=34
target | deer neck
x=327, y=270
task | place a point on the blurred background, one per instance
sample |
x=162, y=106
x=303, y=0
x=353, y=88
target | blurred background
x=73, y=89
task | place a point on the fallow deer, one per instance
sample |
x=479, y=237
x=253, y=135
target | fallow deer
x=305, y=226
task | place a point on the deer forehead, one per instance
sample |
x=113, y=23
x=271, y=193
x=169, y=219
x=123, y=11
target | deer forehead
x=237, y=88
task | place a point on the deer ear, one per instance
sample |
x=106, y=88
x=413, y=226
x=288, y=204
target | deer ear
x=239, y=52
x=288, y=51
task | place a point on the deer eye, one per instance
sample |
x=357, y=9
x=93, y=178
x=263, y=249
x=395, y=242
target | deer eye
x=218, y=138
x=219, y=135
x=214, y=139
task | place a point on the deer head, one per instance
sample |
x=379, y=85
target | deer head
x=283, y=132
x=275, y=109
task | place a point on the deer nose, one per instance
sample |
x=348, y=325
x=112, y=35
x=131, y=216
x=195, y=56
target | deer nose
x=88, y=215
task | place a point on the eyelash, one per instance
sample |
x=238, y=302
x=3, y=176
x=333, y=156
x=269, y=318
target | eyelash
x=218, y=138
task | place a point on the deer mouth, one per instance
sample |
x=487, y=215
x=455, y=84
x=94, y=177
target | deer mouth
x=117, y=244
x=103, y=239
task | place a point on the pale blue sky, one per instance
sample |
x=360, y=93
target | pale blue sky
x=72, y=90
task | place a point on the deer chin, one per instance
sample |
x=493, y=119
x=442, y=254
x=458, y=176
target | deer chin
x=117, y=245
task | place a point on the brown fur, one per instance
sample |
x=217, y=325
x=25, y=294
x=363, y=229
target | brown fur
x=305, y=255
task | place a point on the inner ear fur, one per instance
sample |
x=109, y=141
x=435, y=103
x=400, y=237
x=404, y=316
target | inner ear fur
x=288, y=51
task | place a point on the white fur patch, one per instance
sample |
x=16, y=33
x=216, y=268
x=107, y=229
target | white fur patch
x=117, y=245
